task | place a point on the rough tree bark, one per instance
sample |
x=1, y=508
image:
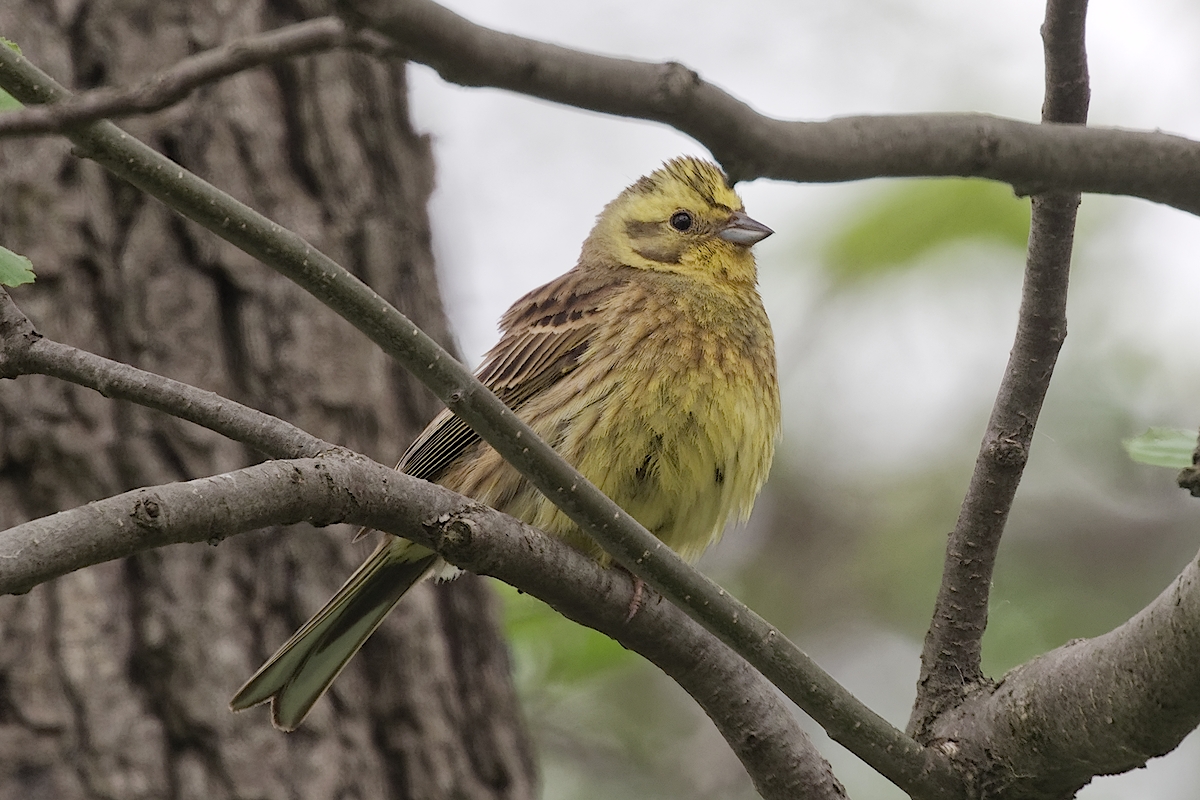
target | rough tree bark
x=114, y=680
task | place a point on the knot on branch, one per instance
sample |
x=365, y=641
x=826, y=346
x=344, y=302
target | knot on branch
x=677, y=85
x=1006, y=451
x=147, y=512
x=454, y=533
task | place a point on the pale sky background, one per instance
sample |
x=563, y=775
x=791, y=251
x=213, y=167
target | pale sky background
x=520, y=182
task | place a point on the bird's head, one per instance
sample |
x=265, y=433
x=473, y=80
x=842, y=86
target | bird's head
x=682, y=218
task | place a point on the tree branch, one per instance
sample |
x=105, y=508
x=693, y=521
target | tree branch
x=24, y=351
x=1032, y=158
x=1092, y=707
x=844, y=717
x=950, y=661
x=345, y=487
x=746, y=709
x=172, y=85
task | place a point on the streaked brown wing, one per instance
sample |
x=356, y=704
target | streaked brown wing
x=545, y=334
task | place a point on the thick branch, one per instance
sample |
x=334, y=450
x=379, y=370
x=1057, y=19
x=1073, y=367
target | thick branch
x=172, y=85
x=23, y=351
x=847, y=720
x=1032, y=158
x=1092, y=707
x=343, y=487
x=950, y=662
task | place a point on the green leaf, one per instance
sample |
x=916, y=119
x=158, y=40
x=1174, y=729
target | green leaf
x=14, y=269
x=917, y=217
x=1163, y=447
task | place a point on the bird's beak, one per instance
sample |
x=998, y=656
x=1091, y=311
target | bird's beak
x=741, y=229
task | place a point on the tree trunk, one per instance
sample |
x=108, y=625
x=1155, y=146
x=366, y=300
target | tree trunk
x=114, y=681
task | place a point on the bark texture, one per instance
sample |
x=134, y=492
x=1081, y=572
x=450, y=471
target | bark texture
x=114, y=681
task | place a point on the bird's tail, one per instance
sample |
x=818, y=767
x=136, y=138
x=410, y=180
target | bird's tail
x=300, y=672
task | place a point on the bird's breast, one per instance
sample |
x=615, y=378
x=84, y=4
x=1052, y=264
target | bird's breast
x=689, y=412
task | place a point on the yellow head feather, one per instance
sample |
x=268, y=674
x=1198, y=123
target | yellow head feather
x=671, y=221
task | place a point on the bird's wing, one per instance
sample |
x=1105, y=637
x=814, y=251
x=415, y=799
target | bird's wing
x=545, y=334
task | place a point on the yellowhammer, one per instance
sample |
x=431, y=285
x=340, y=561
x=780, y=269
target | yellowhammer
x=650, y=367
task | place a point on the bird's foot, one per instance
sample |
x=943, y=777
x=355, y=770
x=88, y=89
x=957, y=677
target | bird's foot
x=635, y=602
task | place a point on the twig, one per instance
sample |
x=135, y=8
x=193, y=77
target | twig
x=23, y=351
x=1032, y=158
x=346, y=487
x=172, y=85
x=846, y=719
x=950, y=662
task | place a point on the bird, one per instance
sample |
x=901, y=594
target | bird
x=649, y=366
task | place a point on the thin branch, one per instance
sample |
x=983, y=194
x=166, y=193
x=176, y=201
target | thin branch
x=1092, y=707
x=23, y=351
x=950, y=662
x=1032, y=158
x=346, y=487
x=173, y=85
x=1068, y=93
x=845, y=718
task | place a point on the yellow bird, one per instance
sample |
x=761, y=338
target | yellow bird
x=650, y=367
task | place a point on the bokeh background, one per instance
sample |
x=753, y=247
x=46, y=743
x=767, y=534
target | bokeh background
x=894, y=308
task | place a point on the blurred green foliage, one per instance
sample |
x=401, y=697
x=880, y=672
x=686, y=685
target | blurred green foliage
x=897, y=566
x=550, y=650
x=1042, y=598
x=912, y=219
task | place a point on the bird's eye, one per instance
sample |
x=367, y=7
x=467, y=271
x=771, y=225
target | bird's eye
x=681, y=221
